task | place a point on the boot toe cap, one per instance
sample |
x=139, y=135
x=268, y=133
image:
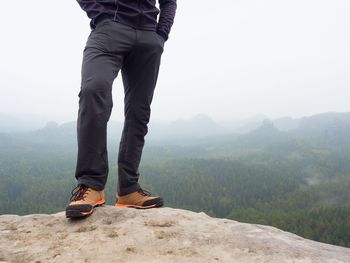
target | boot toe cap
x=154, y=201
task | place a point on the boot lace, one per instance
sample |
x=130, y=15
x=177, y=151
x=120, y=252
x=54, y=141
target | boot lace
x=79, y=193
x=144, y=192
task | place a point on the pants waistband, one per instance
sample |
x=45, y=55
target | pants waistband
x=102, y=18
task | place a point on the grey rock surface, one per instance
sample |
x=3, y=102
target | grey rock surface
x=113, y=234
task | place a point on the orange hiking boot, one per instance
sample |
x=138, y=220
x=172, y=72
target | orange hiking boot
x=83, y=201
x=140, y=199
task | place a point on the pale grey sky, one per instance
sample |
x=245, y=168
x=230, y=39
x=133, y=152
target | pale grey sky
x=229, y=59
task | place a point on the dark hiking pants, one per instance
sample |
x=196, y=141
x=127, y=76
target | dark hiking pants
x=112, y=46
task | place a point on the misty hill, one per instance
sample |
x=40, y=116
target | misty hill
x=198, y=127
x=315, y=122
x=20, y=123
x=286, y=123
x=165, y=234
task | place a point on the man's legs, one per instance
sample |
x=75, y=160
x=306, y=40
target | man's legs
x=112, y=46
x=102, y=61
x=140, y=73
x=103, y=57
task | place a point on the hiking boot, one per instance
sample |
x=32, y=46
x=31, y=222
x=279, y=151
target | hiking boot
x=140, y=199
x=83, y=201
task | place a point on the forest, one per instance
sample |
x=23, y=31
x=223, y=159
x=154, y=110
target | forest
x=297, y=180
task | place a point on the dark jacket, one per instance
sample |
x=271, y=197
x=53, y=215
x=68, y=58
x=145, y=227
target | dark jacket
x=139, y=14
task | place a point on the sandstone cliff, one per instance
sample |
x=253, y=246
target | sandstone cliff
x=164, y=235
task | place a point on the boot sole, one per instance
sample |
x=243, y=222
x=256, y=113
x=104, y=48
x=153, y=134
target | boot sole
x=159, y=204
x=73, y=211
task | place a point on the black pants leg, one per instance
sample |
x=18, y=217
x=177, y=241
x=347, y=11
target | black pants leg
x=140, y=73
x=112, y=46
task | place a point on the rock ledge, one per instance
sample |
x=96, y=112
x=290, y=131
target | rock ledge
x=164, y=234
